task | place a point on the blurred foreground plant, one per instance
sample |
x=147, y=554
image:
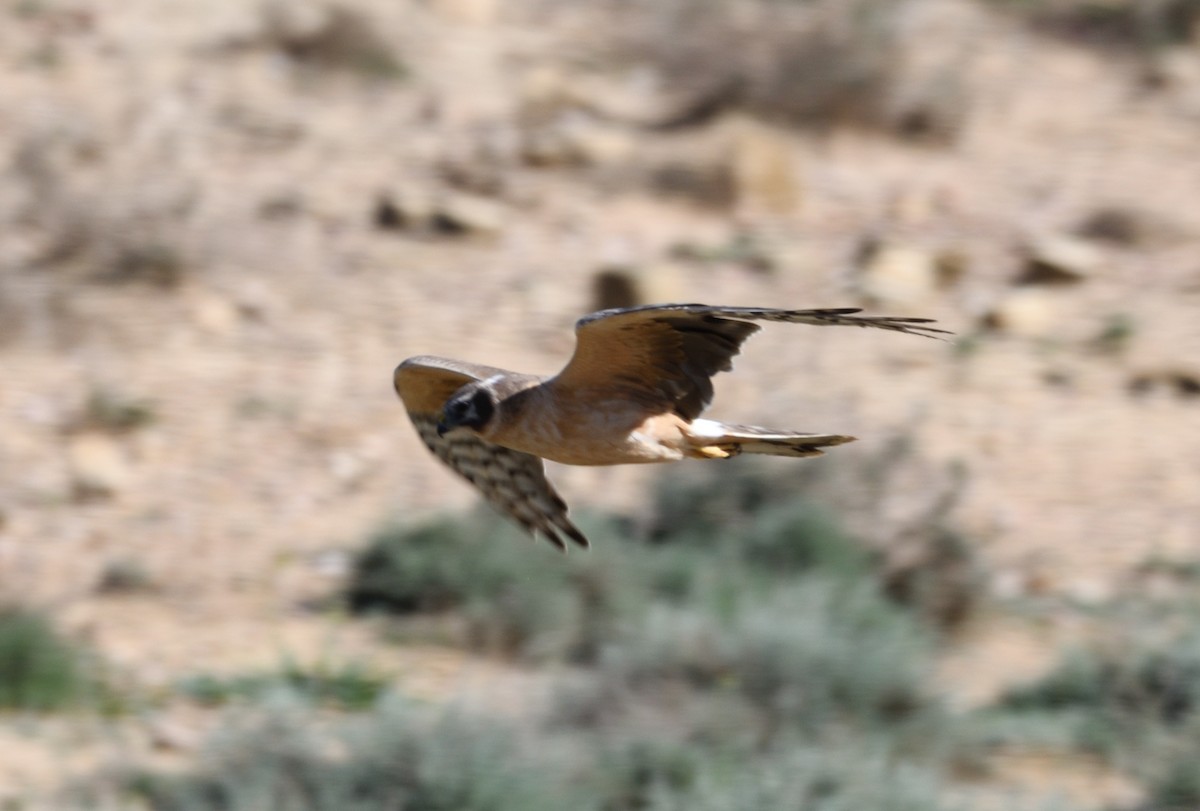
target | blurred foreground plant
x=402, y=756
x=40, y=670
x=1137, y=704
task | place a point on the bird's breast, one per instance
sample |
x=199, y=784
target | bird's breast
x=588, y=430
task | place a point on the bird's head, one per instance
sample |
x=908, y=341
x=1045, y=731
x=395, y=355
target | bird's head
x=473, y=406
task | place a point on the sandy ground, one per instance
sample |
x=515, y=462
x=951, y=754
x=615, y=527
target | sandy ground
x=276, y=443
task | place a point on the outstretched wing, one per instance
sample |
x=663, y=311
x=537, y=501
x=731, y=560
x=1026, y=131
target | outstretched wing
x=514, y=483
x=666, y=354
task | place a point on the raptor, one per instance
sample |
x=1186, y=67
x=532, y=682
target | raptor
x=633, y=392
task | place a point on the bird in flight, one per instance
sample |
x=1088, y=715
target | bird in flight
x=633, y=392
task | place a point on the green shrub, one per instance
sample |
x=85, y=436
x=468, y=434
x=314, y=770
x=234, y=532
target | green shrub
x=801, y=537
x=283, y=757
x=747, y=516
x=40, y=670
x=717, y=543
x=814, y=651
x=349, y=687
x=1159, y=684
x=1137, y=705
x=1177, y=788
x=398, y=757
x=711, y=649
x=705, y=506
x=814, y=778
x=627, y=775
x=517, y=597
x=787, y=522
x=427, y=568
x=1080, y=680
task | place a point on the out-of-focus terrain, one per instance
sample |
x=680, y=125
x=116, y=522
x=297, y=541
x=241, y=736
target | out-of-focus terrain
x=223, y=223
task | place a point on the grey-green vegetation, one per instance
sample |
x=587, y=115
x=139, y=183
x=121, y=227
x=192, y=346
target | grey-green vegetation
x=40, y=669
x=739, y=648
x=1137, y=703
x=1127, y=24
x=744, y=655
x=347, y=686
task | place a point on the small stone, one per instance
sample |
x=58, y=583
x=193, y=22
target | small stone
x=1061, y=260
x=1183, y=383
x=478, y=174
x=599, y=145
x=547, y=147
x=1027, y=312
x=1119, y=226
x=333, y=563
x=124, y=576
x=696, y=179
x=467, y=12
x=1009, y=584
x=295, y=20
x=1175, y=68
x=620, y=286
x=256, y=300
x=543, y=91
x=172, y=736
x=404, y=209
x=951, y=267
x=349, y=468
x=98, y=466
x=912, y=207
x=614, y=287
x=214, y=315
x=332, y=36
x=899, y=275
x=765, y=171
x=468, y=214
x=1089, y=591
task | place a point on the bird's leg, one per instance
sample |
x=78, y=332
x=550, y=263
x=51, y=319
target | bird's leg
x=725, y=451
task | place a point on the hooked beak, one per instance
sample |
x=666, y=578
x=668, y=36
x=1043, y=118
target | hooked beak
x=447, y=424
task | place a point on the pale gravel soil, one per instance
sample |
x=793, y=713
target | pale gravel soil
x=277, y=437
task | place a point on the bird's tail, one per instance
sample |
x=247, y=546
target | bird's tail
x=709, y=439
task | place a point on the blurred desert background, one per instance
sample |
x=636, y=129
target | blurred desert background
x=232, y=578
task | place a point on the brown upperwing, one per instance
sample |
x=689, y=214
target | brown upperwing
x=665, y=354
x=662, y=356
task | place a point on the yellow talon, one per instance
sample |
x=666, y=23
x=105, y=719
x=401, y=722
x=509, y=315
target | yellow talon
x=717, y=451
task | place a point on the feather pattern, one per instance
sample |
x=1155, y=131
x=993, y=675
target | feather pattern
x=512, y=482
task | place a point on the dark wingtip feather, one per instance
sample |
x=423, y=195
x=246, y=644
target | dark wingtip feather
x=575, y=535
x=912, y=326
x=552, y=536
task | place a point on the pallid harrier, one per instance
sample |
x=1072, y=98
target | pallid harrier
x=632, y=392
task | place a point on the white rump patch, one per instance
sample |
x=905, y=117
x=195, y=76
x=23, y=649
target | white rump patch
x=707, y=429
